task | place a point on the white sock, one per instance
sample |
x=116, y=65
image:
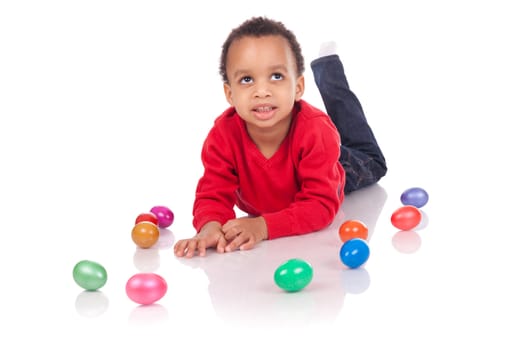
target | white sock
x=328, y=48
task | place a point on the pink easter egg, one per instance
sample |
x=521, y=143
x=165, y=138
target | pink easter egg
x=146, y=288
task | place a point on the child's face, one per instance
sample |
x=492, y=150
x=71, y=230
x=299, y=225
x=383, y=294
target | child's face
x=263, y=83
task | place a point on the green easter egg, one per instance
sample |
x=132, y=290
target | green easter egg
x=90, y=275
x=293, y=275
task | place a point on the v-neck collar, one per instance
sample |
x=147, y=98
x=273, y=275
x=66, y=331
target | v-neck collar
x=254, y=150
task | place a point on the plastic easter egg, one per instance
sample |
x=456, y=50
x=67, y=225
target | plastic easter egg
x=90, y=275
x=164, y=215
x=293, y=275
x=145, y=234
x=149, y=217
x=146, y=288
x=406, y=218
x=353, y=229
x=414, y=196
x=354, y=253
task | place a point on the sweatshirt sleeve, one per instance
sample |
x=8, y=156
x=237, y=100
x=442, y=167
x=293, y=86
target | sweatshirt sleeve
x=215, y=193
x=321, y=179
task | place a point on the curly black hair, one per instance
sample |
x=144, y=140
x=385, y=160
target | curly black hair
x=259, y=27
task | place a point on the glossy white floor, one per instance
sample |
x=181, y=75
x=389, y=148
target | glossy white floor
x=104, y=106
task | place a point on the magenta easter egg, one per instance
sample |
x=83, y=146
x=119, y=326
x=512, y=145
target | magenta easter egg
x=146, y=288
x=406, y=218
x=164, y=215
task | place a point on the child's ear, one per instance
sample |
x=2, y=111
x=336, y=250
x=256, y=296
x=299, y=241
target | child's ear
x=299, y=88
x=228, y=93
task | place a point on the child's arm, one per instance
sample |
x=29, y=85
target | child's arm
x=215, y=193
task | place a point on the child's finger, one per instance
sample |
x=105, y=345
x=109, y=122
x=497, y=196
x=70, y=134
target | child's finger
x=249, y=244
x=221, y=244
x=202, y=247
x=231, y=232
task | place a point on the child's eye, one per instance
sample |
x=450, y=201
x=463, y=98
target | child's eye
x=277, y=76
x=246, y=80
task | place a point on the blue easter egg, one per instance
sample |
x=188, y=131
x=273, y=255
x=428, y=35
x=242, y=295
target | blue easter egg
x=354, y=253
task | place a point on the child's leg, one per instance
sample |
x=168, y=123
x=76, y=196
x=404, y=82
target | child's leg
x=361, y=156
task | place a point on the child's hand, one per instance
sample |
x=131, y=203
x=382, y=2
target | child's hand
x=209, y=236
x=244, y=233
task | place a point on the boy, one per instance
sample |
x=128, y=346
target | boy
x=279, y=159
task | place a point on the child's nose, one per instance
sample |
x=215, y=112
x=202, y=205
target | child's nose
x=262, y=90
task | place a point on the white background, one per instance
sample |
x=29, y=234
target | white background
x=104, y=106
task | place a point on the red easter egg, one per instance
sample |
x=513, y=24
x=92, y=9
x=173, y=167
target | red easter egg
x=149, y=217
x=406, y=218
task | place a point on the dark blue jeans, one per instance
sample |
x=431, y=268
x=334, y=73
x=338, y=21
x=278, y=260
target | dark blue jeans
x=361, y=156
